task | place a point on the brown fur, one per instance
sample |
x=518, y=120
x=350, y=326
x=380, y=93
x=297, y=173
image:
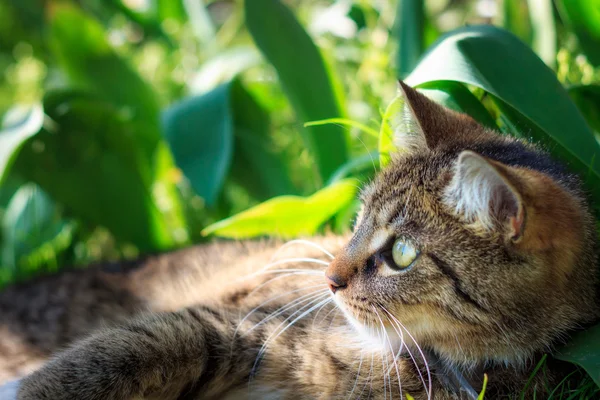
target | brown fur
x=483, y=297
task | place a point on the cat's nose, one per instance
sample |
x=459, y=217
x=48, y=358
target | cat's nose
x=335, y=283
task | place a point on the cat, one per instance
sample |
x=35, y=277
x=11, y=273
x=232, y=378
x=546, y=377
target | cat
x=474, y=253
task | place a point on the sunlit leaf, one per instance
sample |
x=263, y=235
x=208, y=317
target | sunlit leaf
x=304, y=77
x=287, y=216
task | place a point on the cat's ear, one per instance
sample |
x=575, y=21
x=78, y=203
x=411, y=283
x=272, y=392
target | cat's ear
x=486, y=194
x=423, y=122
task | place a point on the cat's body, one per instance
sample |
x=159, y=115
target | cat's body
x=473, y=254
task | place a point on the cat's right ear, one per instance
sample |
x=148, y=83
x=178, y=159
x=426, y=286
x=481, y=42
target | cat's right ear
x=487, y=194
x=425, y=123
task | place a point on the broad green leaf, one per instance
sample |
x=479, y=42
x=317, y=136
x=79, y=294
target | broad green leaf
x=200, y=132
x=410, y=28
x=304, y=77
x=89, y=160
x=33, y=233
x=18, y=126
x=584, y=349
x=79, y=44
x=203, y=132
x=587, y=98
x=497, y=62
x=287, y=216
x=457, y=97
x=583, y=17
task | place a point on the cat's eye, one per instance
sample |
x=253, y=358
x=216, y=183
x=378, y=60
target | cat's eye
x=403, y=254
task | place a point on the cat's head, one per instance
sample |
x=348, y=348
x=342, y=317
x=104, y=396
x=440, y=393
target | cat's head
x=480, y=245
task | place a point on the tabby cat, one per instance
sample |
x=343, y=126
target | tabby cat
x=474, y=253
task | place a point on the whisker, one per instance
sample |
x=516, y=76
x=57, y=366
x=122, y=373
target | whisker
x=277, y=278
x=302, y=241
x=393, y=353
x=277, y=333
x=317, y=313
x=428, y=387
x=239, y=325
x=362, y=354
x=302, y=299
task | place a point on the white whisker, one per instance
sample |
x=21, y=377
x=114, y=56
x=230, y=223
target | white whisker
x=362, y=354
x=276, y=333
x=301, y=241
x=393, y=353
x=427, y=387
x=302, y=299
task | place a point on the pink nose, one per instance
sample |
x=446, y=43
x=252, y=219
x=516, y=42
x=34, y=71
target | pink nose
x=335, y=283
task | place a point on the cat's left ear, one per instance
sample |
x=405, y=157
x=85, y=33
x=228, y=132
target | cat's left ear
x=423, y=122
x=487, y=194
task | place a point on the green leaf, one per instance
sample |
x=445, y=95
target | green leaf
x=457, y=97
x=203, y=132
x=584, y=349
x=287, y=216
x=89, y=160
x=256, y=164
x=587, y=98
x=199, y=131
x=79, y=44
x=304, y=77
x=33, y=233
x=497, y=62
x=410, y=28
x=18, y=126
x=583, y=17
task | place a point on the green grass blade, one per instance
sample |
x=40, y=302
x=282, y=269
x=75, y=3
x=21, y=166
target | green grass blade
x=410, y=28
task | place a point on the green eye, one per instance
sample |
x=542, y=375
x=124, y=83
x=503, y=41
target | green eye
x=403, y=254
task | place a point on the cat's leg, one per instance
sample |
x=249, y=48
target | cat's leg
x=161, y=356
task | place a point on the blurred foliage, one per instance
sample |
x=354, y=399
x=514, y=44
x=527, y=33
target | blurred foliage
x=146, y=125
